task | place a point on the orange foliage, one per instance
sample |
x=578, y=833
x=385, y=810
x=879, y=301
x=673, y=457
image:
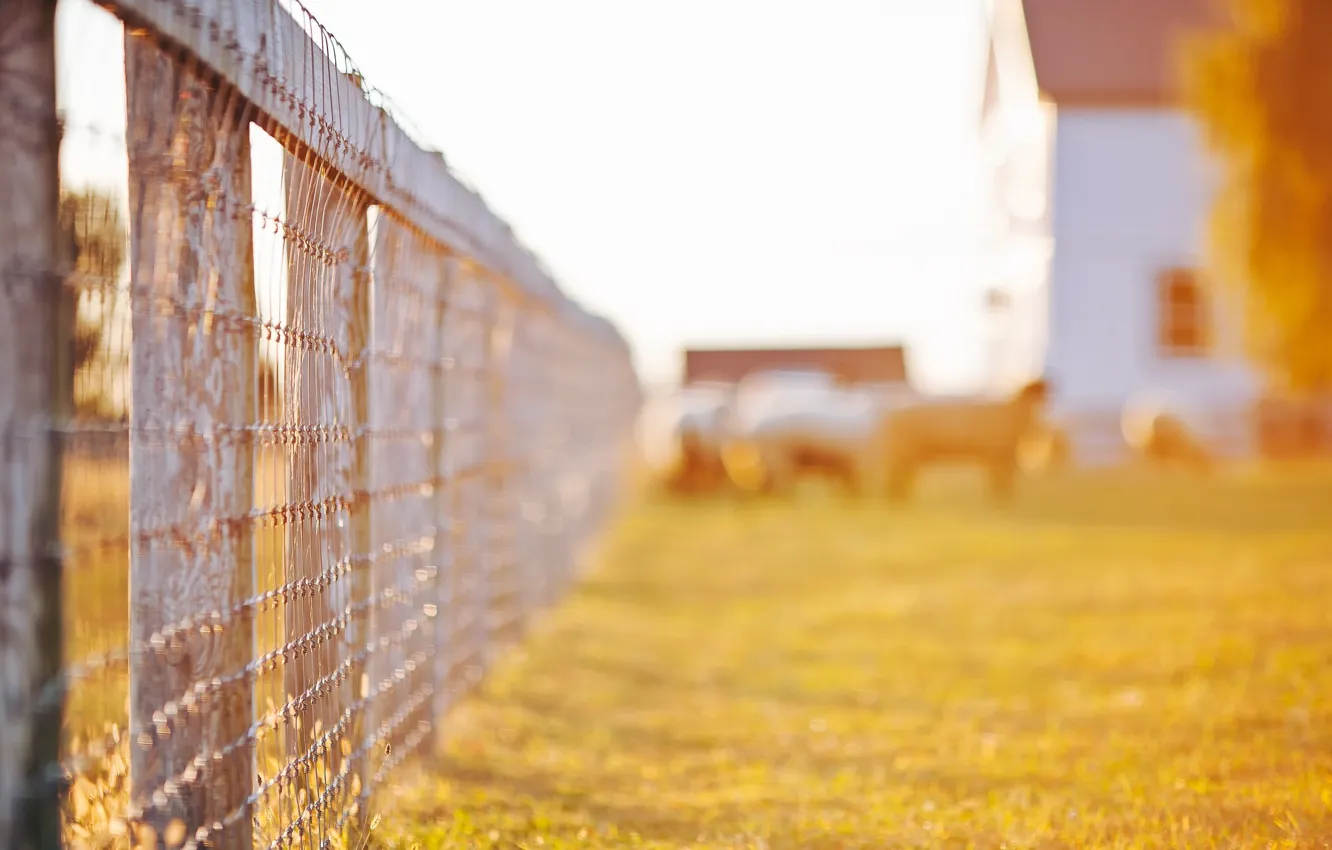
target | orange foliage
x=1263, y=93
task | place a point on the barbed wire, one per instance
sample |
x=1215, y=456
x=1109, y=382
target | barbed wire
x=381, y=99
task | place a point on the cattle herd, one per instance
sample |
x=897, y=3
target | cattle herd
x=766, y=433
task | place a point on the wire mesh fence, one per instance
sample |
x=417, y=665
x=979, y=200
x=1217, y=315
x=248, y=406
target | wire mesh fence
x=294, y=436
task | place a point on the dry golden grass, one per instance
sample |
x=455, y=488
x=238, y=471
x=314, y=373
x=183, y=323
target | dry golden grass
x=95, y=527
x=1119, y=660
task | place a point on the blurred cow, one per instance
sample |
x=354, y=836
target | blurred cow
x=788, y=425
x=984, y=432
x=1157, y=430
x=1047, y=448
x=683, y=438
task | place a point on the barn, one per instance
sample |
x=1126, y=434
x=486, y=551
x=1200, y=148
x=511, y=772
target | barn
x=1097, y=189
x=885, y=364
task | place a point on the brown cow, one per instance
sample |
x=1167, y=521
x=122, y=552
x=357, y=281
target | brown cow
x=981, y=432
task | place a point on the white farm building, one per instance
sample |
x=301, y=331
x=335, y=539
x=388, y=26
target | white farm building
x=1097, y=189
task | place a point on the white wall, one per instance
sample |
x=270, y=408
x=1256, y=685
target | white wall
x=1130, y=197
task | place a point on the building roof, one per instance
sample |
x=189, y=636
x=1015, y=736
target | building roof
x=1113, y=52
x=880, y=364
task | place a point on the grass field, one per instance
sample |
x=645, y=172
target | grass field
x=95, y=519
x=1120, y=660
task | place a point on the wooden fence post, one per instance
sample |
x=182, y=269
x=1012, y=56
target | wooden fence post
x=442, y=520
x=471, y=487
x=499, y=514
x=327, y=303
x=35, y=392
x=360, y=628
x=193, y=363
x=464, y=620
x=405, y=534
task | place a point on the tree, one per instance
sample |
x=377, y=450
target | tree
x=1262, y=90
x=269, y=391
x=95, y=242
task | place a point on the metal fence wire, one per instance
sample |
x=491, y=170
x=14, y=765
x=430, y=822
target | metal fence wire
x=294, y=435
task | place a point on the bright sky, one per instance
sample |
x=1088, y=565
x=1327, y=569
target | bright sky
x=714, y=171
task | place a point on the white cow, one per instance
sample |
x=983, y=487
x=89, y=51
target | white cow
x=1165, y=430
x=789, y=424
x=682, y=435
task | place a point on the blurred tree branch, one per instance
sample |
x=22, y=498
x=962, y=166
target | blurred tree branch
x=95, y=243
x=1262, y=91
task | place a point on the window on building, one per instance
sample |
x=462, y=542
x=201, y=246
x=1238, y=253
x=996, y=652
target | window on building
x=1183, y=318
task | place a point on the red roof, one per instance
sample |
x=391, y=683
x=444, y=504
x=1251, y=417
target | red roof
x=1113, y=52
x=883, y=364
